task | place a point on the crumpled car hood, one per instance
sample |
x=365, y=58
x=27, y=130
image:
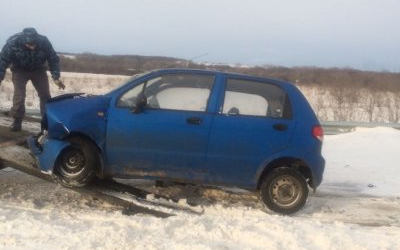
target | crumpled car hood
x=74, y=113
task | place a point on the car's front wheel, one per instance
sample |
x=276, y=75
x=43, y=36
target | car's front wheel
x=284, y=190
x=77, y=164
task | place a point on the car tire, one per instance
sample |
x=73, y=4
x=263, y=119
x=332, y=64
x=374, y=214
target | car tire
x=284, y=190
x=77, y=164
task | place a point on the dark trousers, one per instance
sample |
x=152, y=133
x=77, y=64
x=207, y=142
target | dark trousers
x=40, y=83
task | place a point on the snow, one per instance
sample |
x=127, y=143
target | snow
x=68, y=56
x=367, y=161
x=356, y=207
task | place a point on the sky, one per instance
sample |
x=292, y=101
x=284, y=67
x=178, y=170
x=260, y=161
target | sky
x=361, y=34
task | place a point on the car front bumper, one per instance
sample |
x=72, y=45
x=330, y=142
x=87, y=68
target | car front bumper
x=46, y=152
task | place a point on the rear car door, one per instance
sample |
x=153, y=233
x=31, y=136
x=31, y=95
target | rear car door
x=254, y=122
x=168, y=138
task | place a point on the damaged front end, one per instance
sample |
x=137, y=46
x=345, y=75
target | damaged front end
x=66, y=115
x=46, y=151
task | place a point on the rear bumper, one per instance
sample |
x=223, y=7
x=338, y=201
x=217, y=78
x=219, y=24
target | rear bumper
x=47, y=153
x=317, y=166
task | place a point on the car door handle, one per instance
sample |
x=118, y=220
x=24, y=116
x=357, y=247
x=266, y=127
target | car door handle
x=194, y=120
x=280, y=127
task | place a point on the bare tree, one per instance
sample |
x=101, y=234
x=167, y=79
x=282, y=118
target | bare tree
x=394, y=107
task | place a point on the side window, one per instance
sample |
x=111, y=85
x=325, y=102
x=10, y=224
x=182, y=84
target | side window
x=243, y=97
x=172, y=91
x=128, y=100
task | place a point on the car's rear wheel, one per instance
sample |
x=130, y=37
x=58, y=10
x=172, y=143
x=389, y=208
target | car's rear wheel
x=284, y=190
x=77, y=164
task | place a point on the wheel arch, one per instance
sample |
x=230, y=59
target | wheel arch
x=99, y=151
x=80, y=135
x=291, y=162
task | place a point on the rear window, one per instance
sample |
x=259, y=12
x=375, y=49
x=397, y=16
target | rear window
x=243, y=97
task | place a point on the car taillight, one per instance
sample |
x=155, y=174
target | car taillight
x=318, y=132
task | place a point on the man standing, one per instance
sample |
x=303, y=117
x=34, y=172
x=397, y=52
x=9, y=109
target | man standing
x=27, y=52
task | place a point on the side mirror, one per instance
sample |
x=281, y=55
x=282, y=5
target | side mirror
x=141, y=102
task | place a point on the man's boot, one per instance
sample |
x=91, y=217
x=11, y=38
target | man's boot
x=16, y=125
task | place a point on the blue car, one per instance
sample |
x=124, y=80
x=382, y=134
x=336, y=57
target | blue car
x=188, y=126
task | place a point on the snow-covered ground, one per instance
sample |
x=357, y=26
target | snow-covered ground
x=356, y=207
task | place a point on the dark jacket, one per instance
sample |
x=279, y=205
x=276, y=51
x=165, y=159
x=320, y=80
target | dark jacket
x=15, y=53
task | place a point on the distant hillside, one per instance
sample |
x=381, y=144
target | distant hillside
x=334, y=94
x=115, y=65
x=132, y=64
x=338, y=94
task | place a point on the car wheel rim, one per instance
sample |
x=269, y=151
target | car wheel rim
x=72, y=163
x=286, y=191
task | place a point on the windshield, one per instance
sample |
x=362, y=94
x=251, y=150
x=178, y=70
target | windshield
x=134, y=77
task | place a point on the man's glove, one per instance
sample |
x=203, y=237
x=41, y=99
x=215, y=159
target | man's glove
x=59, y=83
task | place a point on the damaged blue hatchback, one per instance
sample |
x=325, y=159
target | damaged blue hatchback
x=188, y=126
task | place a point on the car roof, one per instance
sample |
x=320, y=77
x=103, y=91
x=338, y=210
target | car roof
x=228, y=74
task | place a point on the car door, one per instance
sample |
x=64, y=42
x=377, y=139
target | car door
x=167, y=138
x=254, y=122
